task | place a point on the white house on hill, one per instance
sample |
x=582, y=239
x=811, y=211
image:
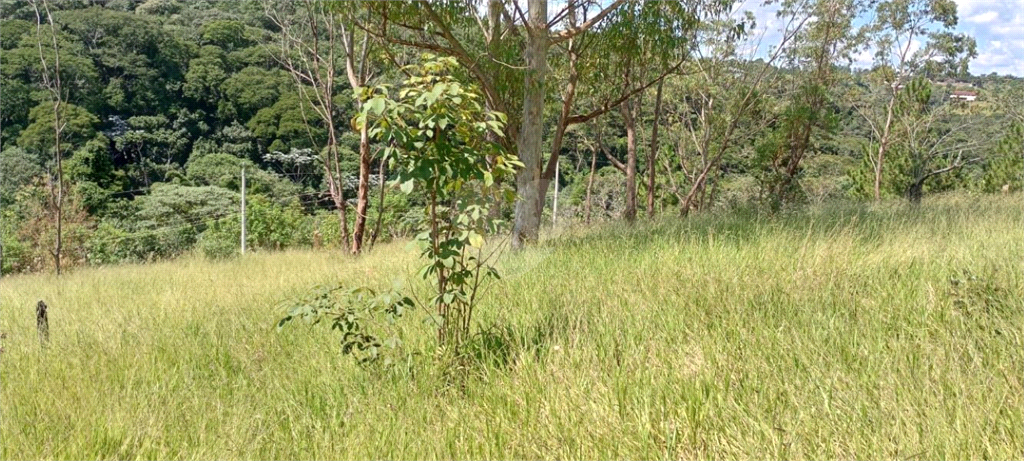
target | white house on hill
x=964, y=96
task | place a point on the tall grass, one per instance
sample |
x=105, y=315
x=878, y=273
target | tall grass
x=832, y=332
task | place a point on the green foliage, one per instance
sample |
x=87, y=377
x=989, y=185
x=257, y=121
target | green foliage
x=926, y=149
x=269, y=226
x=226, y=34
x=138, y=62
x=36, y=228
x=110, y=244
x=606, y=201
x=15, y=103
x=205, y=75
x=38, y=136
x=18, y=169
x=283, y=125
x=94, y=175
x=170, y=203
x=155, y=145
x=79, y=77
x=14, y=248
x=353, y=313
x=896, y=22
x=168, y=221
x=155, y=87
x=224, y=170
x=248, y=91
x=436, y=132
x=400, y=214
x=1005, y=166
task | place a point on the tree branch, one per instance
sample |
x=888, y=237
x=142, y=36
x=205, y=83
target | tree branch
x=609, y=105
x=574, y=31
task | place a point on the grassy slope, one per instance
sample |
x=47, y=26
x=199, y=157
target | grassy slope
x=830, y=333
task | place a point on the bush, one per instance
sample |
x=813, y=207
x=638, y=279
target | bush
x=269, y=226
x=221, y=239
x=14, y=250
x=109, y=244
x=224, y=170
x=37, y=229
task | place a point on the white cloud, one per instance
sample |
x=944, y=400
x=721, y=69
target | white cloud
x=998, y=27
x=984, y=18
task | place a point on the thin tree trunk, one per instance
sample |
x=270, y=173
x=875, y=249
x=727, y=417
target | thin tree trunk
x=494, y=40
x=590, y=182
x=652, y=157
x=357, y=69
x=883, y=145
x=699, y=184
x=380, y=206
x=627, y=114
x=363, y=193
x=57, y=93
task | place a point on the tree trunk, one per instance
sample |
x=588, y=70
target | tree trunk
x=57, y=93
x=363, y=194
x=915, y=191
x=590, y=182
x=699, y=185
x=627, y=114
x=380, y=206
x=652, y=157
x=527, y=217
x=563, y=118
x=883, y=143
x=337, y=191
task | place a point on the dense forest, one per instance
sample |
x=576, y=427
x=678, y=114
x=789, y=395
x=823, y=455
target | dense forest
x=127, y=125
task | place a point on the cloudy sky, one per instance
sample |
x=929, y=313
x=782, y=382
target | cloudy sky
x=997, y=25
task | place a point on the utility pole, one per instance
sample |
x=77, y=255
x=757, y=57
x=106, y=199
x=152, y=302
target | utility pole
x=243, y=210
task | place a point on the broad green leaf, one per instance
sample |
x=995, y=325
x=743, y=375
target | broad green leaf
x=476, y=240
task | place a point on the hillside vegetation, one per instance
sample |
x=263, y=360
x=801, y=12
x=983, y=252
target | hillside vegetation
x=844, y=331
x=128, y=125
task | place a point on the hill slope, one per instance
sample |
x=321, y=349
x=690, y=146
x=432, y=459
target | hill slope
x=837, y=332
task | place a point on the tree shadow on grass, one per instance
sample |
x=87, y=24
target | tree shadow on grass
x=502, y=346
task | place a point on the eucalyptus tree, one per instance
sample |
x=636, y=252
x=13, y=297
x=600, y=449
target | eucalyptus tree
x=639, y=45
x=813, y=60
x=652, y=156
x=319, y=45
x=499, y=44
x=720, y=92
x=910, y=37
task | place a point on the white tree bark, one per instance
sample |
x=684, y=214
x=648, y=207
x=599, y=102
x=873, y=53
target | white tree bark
x=527, y=217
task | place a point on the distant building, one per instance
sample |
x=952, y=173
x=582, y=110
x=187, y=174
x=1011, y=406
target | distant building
x=964, y=96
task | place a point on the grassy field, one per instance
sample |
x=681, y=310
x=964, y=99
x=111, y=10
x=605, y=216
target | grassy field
x=832, y=332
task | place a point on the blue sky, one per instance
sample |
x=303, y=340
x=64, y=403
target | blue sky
x=997, y=25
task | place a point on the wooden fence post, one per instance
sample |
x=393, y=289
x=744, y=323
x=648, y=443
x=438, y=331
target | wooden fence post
x=42, y=323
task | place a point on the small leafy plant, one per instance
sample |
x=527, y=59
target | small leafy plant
x=436, y=133
x=349, y=311
x=976, y=295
